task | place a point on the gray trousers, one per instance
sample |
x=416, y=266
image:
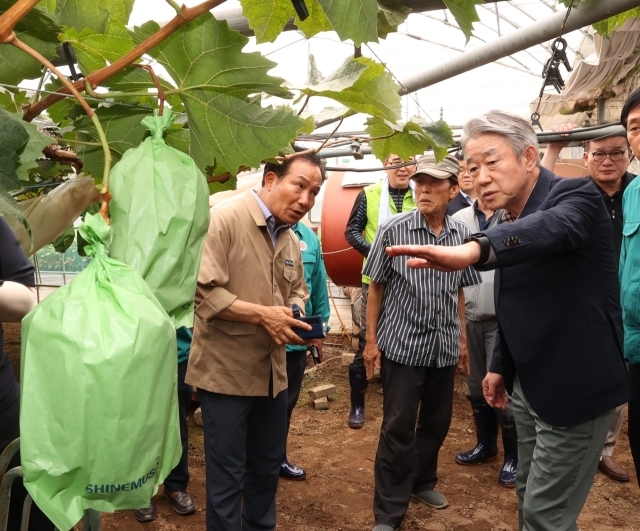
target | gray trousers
x=358, y=360
x=556, y=467
x=614, y=431
x=481, y=337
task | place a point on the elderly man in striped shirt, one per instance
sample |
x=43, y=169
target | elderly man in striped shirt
x=416, y=333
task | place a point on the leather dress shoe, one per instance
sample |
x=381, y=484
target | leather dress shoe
x=181, y=500
x=289, y=471
x=612, y=470
x=146, y=514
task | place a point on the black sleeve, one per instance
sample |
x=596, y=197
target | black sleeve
x=15, y=264
x=356, y=224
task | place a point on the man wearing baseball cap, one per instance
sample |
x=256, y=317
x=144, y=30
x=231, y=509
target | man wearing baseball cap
x=416, y=334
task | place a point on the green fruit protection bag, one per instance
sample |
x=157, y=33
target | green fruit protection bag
x=160, y=214
x=99, y=422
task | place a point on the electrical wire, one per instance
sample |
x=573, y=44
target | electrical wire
x=399, y=82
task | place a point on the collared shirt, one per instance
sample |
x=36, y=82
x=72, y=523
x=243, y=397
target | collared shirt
x=270, y=219
x=419, y=323
x=469, y=199
x=315, y=277
x=614, y=207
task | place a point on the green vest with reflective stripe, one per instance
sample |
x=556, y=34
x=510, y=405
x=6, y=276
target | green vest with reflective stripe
x=373, y=193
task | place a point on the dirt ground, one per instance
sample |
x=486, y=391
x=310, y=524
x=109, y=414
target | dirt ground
x=338, y=492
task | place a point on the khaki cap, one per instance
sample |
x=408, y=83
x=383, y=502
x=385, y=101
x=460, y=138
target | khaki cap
x=446, y=168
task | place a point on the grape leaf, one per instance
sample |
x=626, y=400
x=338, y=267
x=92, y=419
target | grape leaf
x=409, y=139
x=391, y=14
x=223, y=187
x=13, y=102
x=134, y=79
x=267, y=18
x=607, y=26
x=32, y=149
x=464, y=11
x=9, y=206
x=440, y=137
x=95, y=50
x=122, y=128
x=316, y=22
x=353, y=19
x=13, y=138
x=228, y=128
x=96, y=15
x=567, y=3
x=39, y=31
x=65, y=240
x=363, y=86
x=67, y=109
x=178, y=137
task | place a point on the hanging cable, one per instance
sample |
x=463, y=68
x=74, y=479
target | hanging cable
x=399, y=82
x=551, y=71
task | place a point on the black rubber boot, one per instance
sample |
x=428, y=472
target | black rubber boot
x=358, y=382
x=507, y=477
x=486, y=422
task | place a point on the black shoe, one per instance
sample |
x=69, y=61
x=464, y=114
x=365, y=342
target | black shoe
x=289, y=471
x=486, y=421
x=358, y=382
x=147, y=514
x=181, y=500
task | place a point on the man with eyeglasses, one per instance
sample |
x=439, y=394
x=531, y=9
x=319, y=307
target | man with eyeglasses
x=467, y=195
x=607, y=160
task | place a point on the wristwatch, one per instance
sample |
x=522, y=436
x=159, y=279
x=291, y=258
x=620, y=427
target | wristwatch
x=485, y=247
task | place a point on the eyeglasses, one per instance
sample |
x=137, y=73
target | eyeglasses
x=615, y=156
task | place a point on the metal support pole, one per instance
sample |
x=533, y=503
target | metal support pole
x=602, y=106
x=91, y=520
x=589, y=12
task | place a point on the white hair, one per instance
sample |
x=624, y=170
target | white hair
x=517, y=131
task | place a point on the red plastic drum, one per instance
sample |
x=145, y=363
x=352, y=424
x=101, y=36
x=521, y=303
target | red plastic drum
x=343, y=263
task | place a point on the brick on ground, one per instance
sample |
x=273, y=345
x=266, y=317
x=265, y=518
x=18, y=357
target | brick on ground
x=322, y=391
x=321, y=403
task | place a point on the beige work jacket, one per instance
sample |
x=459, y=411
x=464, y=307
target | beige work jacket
x=239, y=262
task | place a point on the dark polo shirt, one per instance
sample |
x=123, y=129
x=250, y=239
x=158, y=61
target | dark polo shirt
x=614, y=207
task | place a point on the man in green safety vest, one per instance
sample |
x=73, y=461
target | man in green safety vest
x=373, y=205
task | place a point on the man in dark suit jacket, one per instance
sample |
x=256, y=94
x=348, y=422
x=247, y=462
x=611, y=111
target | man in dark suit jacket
x=559, y=347
x=467, y=194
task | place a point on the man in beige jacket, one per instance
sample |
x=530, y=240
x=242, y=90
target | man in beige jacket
x=250, y=276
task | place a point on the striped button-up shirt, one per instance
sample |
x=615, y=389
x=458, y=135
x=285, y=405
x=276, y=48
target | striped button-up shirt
x=419, y=323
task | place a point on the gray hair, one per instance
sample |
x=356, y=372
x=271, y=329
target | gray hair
x=517, y=131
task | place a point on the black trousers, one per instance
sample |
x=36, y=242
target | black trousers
x=634, y=416
x=178, y=478
x=296, y=364
x=407, y=457
x=9, y=431
x=244, y=438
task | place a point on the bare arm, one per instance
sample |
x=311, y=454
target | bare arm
x=16, y=301
x=463, y=362
x=371, y=353
x=554, y=148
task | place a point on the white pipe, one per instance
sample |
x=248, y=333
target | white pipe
x=589, y=12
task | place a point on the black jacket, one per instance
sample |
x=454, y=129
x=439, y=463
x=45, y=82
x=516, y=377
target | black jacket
x=457, y=203
x=557, y=303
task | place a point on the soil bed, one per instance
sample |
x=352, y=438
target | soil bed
x=338, y=492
